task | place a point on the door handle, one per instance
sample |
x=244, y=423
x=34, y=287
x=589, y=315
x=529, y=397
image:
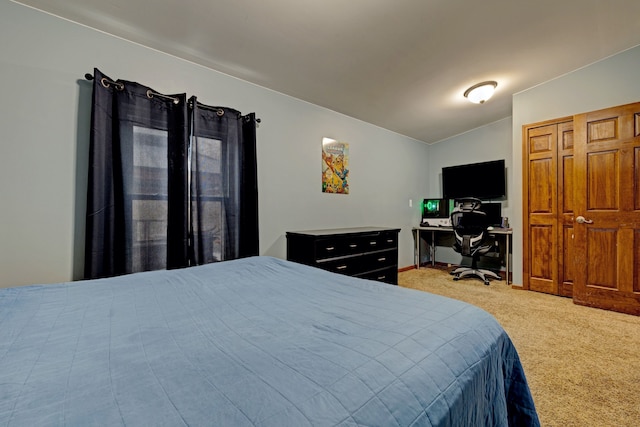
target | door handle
x=583, y=220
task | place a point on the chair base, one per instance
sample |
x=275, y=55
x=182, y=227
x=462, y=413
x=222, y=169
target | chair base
x=483, y=274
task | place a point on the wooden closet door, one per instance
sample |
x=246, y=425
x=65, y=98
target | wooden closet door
x=607, y=195
x=547, y=196
x=539, y=197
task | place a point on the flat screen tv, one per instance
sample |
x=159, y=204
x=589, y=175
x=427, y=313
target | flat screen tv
x=484, y=181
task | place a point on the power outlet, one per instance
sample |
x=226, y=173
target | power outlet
x=410, y=203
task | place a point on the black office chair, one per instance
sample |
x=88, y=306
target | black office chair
x=471, y=238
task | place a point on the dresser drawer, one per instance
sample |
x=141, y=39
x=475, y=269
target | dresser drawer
x=358, y=264
x=337, y=247
x=352, y=244
x=348, y=266
x=387, y=275
x=380, y=259
x=387, y=240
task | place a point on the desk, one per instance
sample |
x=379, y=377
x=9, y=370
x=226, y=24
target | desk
x=506, y=233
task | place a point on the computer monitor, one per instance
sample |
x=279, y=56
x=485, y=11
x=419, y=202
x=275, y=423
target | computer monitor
x=494, y=213
x=435, y=208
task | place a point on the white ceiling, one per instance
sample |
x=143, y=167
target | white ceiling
x=402, y=64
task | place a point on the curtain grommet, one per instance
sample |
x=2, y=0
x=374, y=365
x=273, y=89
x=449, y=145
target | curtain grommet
x=107, y=83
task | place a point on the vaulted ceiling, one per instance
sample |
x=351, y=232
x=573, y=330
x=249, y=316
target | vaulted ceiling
x=402, y=65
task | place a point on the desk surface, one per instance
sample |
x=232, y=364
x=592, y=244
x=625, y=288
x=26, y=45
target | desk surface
x=495, y=230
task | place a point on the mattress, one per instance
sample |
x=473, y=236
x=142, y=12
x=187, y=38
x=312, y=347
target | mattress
x=253, y=342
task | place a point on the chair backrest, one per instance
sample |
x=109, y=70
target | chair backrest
x=469, y=225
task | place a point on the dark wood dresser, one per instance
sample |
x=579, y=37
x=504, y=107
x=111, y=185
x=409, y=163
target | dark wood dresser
x=366, y=252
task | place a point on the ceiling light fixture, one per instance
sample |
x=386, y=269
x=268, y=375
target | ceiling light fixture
x=481, y=92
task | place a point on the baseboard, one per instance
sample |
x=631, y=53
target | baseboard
x=439, y=265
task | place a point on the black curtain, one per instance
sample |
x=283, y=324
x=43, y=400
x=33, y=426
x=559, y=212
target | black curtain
x=138, y=199
x=224, y=194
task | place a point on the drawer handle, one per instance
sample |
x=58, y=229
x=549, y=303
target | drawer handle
x=390, y=241
x=330, y=248
x=373, y=243
x=382, y=277
x=341, y=267
x=382, y=259
x=353, y=245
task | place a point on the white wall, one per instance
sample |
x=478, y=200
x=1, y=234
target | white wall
x=44, y=123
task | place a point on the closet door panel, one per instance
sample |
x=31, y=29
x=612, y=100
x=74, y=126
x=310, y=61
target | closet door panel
x=565, y=215
x=541, y=185
x=567, y=268
x=603, y=184
x=542, y=256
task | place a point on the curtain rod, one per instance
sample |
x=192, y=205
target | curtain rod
x=219, y=111
x=120, y=86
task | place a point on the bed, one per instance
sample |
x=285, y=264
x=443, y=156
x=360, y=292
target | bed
x=253, y=342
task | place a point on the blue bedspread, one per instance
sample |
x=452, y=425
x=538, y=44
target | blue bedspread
x=258, y=341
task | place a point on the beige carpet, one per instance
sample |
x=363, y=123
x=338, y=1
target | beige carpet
x=582, y=364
